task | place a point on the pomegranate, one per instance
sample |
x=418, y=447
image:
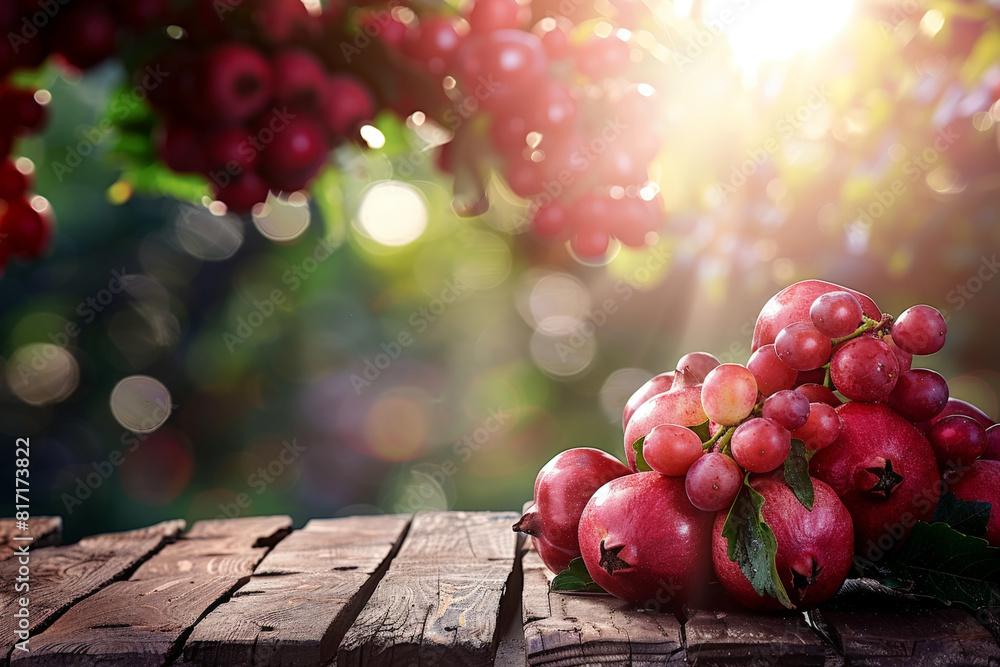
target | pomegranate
x=643, y=541
x=792, y=304
x=681, y=406
x=980, y=481
x=885, y=473
x=655, y=385
x=562, y=489
x=815, y=548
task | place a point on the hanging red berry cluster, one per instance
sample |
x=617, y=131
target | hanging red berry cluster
x=553, y=107
x=249, y=101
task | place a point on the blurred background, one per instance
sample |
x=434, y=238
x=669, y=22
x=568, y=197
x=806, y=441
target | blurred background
x=359, y=348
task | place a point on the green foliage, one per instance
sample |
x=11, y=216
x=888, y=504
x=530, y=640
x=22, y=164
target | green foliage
x=576, y=578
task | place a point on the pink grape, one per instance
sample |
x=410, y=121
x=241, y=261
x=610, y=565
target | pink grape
x=788, y=408
x=761, y=445
x=919, y=395
x=821, y=429
x=713, y=481
x=729, y=394
x=770, y=372
x=920, y=330
x=802, y=347
x=670, y=449
x=864, y=369
x=836, y=314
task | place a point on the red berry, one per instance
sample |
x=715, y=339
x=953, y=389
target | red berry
x=299, y=80
x=85, y=34
x=501, y=67
x=555, y=111
x=603, y=57
x=142, y=14
x=557, y=44
x=295, y=154
x=230, y=148
x=489, y=15
x=243, y=191
x=348, y=103
x=27, y=231
x=550, y=220
x=237, y=82
x=180, y=148
x=433, y=44
x=20, y=111
x=590, y=242
x=13, y=183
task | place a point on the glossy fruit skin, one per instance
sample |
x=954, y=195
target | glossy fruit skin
x=956, y=406
x=792, y=304
x=655, y=542
x=237, y=82
x=348, y=103
x=864, y=369
x=980, y=481
x=724, y=477
x=729, y=393
x=992, y=444
x=562, y=488
x=700, y=363
x=681, y=406
x=920, y=394
x=770, y=372
x=873, y=438
x=816, y=544
x=657, y=384
x=920, y=330
x=957, y=440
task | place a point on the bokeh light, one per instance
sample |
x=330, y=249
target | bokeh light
x=140, y=403
x=42, y=373
x=392, y=213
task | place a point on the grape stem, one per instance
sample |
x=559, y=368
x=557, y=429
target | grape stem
x=867, y=324
x=719, y=435
x=726, y=439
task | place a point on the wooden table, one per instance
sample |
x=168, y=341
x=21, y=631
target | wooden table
x=436, y=588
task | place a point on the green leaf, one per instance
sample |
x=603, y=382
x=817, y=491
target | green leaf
x=640, y=461
x=752, y=545
x=938, y=562
x=576, y=578
x=965, y=516
x=797, y=474
x=702, y=431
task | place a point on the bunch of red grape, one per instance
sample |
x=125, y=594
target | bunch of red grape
x=556, y=110
x=248, y=101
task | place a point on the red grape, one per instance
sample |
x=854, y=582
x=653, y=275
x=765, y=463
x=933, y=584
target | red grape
x=817, y=393
x=836, y=314
x=802, y=347
x=920, y=330
x=729, y=394
x=761, y=445
x=770, y=372
x=670, y=449
x=904, y=358
x=590, y=242
x=957, y=440
x=919, y=395
x=864, y=369
x=788, y=407
x=713, y=481
x=821, y=429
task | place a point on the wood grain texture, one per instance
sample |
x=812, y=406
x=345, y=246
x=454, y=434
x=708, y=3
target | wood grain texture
x=565, y=629
x=302, y=597
x=722, y=632
x=45, y=531
x=440, y=600
x=61, y=576
x=869, y=627
x=142, y=621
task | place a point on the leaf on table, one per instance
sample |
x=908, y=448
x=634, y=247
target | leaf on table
x=576, y=578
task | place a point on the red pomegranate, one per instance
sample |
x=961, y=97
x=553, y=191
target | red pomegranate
x=655, y=385
x=980, y=481
x=643, y=541
x=792, y=304
x=815, y=548
x=562, y=489
x=884, y=471
x=681, y=406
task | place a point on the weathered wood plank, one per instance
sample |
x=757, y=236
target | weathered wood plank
x=722, y=632
x=45, y=531
x=142, y=621
x=439, y=602
x=871, y=628
x=61, y=576
x=511, y=651
x=563, y=629
x=302, y=597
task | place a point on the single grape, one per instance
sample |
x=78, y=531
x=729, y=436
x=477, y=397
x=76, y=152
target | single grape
x=713, y=481
x=920, y=394
x=590, y=242
x=788, y=408
x=920, y=330
x=729, y=394
x=817, y=393
x=802, y=347
x=761, y=445
x=836, y=314
x=770, y=372
x=670, y=449
x=957, y=440
x=821, y=429
x=864, y=369
x=699, y=363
